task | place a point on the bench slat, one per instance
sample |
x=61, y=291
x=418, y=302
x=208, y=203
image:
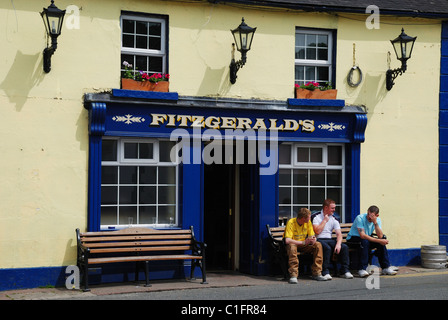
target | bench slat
x=134, y=243
x=142, y=258
x=131, y=231
x=139, y=249
x=134, y=237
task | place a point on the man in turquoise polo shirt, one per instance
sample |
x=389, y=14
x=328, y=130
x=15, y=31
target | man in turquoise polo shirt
x=361, y=232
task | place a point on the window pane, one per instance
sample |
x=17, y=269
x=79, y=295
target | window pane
x=167, y=175
x=317, y=195
x=154, y=43
x=165, y=150
x=128, y=215
x=141, y=27
x=146, y=150
x=300, y=53
x=167, y=195
x=310, y=53
x=300, y=195
x=147, y=215
x=109, y=195
x=167, y=215
x=284, y=195
x=141, y=63
x=334, y=178
x=317, y=177
x=130, y=150
x=316, y=155
x=323, y=74
x=334, y=155
x=284, y=177
x=155, y=64
x=322, y=54
x=128, y=26
x=128, y=195
x=335, y=194
x=300, y=177
x=141, y=42
x=300, y=74
x=322, y=41
x=310, y=73
x=109, y=150
x=303, y=154
x=109, y=175
x=128, y=175
x=128, y=41
x=108, y=215
x=148, y=175
x=147, y=195
x=284, y=154
x=300, y=39
x=311, y=40
x=155, y=29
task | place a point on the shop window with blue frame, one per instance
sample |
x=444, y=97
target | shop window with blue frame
x=144, y=43
x=138, y=183
x=314, y=55
x=309, y=174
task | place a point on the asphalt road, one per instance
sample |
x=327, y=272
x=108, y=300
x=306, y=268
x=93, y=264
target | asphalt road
x=428, y=286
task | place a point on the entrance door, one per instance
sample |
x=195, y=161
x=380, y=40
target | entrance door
x=219, y=224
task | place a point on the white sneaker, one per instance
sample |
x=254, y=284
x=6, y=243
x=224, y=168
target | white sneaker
x=319, y=277
x=327, y=276
x=363, y=273
x=389, y=272
x=347, y=275
x=293, y=280
x=394, y=268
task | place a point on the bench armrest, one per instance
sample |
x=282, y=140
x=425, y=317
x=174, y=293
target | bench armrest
x=197, y=247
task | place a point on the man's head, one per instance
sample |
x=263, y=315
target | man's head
x=372, y=211
x=328, y=206
x=303, y=216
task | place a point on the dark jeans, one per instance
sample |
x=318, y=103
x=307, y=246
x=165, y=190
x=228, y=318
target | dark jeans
x=328, y=249
x=366, y=247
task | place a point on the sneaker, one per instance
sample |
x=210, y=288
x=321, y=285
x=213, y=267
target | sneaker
x=319, y=277
x=393, y=268
x=327, y=276
x=389, y=272
x=363, y=273
x=293, y=280
x=347, y=275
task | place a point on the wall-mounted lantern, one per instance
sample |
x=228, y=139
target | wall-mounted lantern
x=243, y=36
x=53, y=18
x=403, y=46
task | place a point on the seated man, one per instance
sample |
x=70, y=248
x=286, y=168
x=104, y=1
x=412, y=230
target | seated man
x=361, y=231
x=324, y=223
x=299, y=237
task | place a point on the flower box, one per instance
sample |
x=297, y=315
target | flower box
x=130, y=84
x=316, y=94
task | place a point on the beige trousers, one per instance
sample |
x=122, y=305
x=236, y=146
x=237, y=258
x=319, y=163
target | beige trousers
x=293, y=260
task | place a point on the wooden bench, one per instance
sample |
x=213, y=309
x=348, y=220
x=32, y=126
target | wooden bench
x=140, y=245
x=278, y=246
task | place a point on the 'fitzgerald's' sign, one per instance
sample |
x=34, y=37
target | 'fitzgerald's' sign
x=214, y=122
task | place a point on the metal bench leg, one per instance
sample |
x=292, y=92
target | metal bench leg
x=86, y=278
x=147, y=274
x=204, y=273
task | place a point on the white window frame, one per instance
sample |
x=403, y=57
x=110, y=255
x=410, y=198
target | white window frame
x=293, y=164
x=317, y=63
x=121, y=162
x=147, y=52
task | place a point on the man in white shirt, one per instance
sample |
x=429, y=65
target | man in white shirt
x=323, y=225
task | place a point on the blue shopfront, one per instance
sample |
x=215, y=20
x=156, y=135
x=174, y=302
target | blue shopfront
x=226, y=167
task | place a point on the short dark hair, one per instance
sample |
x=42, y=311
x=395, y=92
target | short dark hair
x=374, y=209
x=327, y=202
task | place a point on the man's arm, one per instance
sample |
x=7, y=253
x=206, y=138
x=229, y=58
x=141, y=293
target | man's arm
x=318, y=228
x=364, y=236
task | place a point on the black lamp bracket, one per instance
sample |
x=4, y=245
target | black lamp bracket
x=236, y=65
x=391, y=75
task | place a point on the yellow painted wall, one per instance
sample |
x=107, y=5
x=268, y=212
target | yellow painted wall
x=44, y=127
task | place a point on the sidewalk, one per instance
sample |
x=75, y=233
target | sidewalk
x=215, y=280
